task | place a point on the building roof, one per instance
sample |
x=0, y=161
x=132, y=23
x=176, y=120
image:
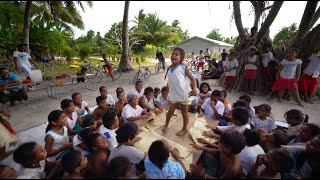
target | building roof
x=215, y=42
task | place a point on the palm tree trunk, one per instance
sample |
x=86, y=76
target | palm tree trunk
x=238, y=21
x=307, y=18
x=125, y=64
x=315, y=17
x=26, y=25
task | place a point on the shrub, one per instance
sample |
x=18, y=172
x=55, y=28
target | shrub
x=84, y=51
x=68, y=53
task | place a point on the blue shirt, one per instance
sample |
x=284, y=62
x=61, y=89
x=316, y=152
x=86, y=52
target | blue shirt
x=12, y=77
x=170, y=170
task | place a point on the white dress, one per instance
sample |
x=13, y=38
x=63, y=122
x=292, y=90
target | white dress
x=59, y=140
x=72, y=122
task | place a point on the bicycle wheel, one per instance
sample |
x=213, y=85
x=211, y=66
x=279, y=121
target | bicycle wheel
x=147, y=74
x=157, y=67
x=116, y=73
x=136, y=77
x=97, y=74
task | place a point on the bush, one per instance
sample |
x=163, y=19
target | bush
x=68, y=53
x=84, y=52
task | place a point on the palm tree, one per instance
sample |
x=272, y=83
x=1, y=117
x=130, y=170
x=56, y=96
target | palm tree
x=125, y=64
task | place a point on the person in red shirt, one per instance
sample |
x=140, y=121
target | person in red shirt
x=108, y=65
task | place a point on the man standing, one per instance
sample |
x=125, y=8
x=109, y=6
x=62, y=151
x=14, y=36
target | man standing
x=160, y=57
x=7, y=93
x=207, y=54
x=224, y=56
x=22, y=60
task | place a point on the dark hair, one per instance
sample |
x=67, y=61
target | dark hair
x=99, y=99
x=240, y=114
x=91, y=142
x=204, y=84
x=296, y=114
x=295, y=50
x=246, y=98
x=240, y=103
x=65, y=103
x=117, y=167
x=127, y=131
x=21, y=45
x=182, y=53
x=87, y=122
x=164, y=88
x=283, y=160
x=148, y=90
x=25, y=153
x=224, y=93
x=158, y=153
x=85, y=133
x=314, y=129
x=84, y=69
x=108, y=119
x=119, y=92
x=53, y=117
x=267, y=107
x=156, y=89
x=103, y=54
x=70, y=161
x=252, y=137
x=100, y=88
x=253, y=28
x=3, y=68
x=280, y=138
x=138, y=81
x=234, y=140
x=119, y=88
x=216, y=93
x=73, y=96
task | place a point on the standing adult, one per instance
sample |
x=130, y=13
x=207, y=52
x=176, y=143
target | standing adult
x=10, y=94
x=207, y=54
x=160, y=57
x=224, y=56
x=22, y=60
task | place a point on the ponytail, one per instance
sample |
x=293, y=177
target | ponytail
x=49, y=127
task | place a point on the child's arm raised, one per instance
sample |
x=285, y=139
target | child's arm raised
x=193, y=92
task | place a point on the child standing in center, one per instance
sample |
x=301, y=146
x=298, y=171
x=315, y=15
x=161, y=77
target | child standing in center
x=179, y=77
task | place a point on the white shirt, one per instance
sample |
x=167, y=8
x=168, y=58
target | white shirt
x=149, y=102
x=110, y=100
x=59, y=140
x=248, y=157
x=208, y=110
x=22, y=59
x=82, y=111
x=198, y=97
x=252, y=111
x=266, y=58
x=252, y=59
x=33, y=173
x=314, y=66
x=72, y=122
x=110, y=135
x=230, y=65
x=267, y=124
x=135, y=92
x=289, y=68
x=75, y=142
x=162, y=101
x=128, y=111
x=240, y=129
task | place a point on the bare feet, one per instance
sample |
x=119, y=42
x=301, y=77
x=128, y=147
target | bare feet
x=182, y=132
x=165, y=127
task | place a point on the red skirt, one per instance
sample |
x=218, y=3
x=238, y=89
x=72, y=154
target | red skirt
x=109, y=68
x=201, y=64
x=266, y=70
x=282, y=83
x=308, y=84
x=230, y=79
x=250, y=74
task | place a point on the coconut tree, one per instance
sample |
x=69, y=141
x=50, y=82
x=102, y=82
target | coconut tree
x=125, y=64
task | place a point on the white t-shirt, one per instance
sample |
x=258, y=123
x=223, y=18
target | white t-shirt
x=75, y=142
x=128, y=111
x=59, y=140
x=240, y=129
x=248, y=157
x=266, y=58
x=162, y=101
x=230, y=65
x=252, y=111
x=23, y=59
x=110, y=135
x=82, y=111
x=33, y=173
x=135, y=92
x=208, y=110
x=289, y=68
x=72, y=122
x=149, y=102
x=197, y=99
x=252, y=59
x=110, y=100
x=314, y=66
x=267, y=124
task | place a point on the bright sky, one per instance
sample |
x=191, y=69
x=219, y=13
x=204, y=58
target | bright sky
x=199, y=17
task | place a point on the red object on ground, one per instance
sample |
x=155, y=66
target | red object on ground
x=59, y=77
x=7, y=125
x=26, y=81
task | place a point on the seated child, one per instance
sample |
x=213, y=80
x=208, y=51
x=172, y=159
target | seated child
x=74, y=121
x=132, y=111
x=227, y=106
x=211, y=73
x=119, y=168
x=163, y=98
x=250, y=109
x=126, y=137
x=73, y=163
x=89, y=122
x=262, y=120
x=80, y=139
x=204, y=94
x=273, y=139
x=119, y=89
x=147, y=101
x=104, y=93
x=57, y=140
x=295, y=119
x=226, y=162
x=122, y=101
x=100, y=110
x=159, y=167
x=138, y=90
x=81, y=106
x=227, y=115
x=82, y=72
x=275, y=163
x=7, y=173
x=212, y=107
x=110, y=123
x=32, y=157
x=156, y=92
x=305, y=134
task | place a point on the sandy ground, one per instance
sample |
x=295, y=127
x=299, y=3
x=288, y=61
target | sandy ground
x=35, y=110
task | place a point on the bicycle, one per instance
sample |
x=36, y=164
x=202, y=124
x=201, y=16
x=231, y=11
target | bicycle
x=143, y=71
x=159, y=66
x=97, y=72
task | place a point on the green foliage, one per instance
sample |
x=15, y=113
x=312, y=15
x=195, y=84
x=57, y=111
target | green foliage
x=285, y=35
x=84, y=51
x=68, y=53
x=215, y=35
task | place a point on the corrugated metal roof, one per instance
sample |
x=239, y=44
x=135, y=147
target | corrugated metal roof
x=209, y=40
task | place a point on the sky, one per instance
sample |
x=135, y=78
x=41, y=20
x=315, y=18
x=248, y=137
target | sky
x=198, y=17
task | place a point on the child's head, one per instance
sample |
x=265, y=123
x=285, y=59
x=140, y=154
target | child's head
x=83, y=70
x=240, y=116
x=177, y=55
x=138, y=85
x=119, y=89
x=275, y=137
x=159, y=153
x=85, y=133
x=201, y=52
x=68, y=106
x=29, y=154
x=103, y=91
x=295, y=117
x=308, y=131
x=156, y=91
x=77, y=98
x=56, y=118
x=165, y=91
x=110, y=120
x=240, y=103
x=313, y=146
x=231, y=142
x=204, y=87
x=132, y=100
x=89, y=122
x=246, y=98
x=148, y=92
x=121, y=95
x=73, y=162
x=215, y=95
x=278, y=160
x=264, y=110
x=104, y=56
x=126, y=133
x=265, y=49
x=119, y=168
x=101, y=102
x=7, y=173
x=253, y=30
x=292, y=53
x=223, y=95
x=97, y=141
x=252, y=137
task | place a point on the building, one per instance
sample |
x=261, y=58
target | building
x=195, y=44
